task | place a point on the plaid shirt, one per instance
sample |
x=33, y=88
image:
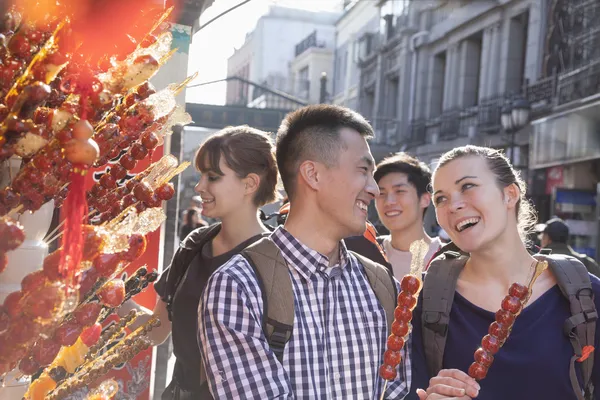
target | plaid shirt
x=338, y=339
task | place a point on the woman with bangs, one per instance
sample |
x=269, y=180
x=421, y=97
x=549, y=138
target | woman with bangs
x=238, y=175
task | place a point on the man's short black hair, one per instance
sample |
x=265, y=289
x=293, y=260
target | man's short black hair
x=417, y=172
x=313, y=133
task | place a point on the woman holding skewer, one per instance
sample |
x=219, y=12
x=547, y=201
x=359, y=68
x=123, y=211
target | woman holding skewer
x=517, y=331
x=238, y=175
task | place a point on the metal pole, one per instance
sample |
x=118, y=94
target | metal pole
x=513, y=132
x=323, y=92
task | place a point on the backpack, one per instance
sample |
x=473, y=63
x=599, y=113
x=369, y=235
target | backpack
x=187, y=251
x=574, y=282
x=278, y=296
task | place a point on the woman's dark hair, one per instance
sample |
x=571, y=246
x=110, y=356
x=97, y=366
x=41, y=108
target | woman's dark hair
x=246, y=151
x=506, y=175
x=189, y=216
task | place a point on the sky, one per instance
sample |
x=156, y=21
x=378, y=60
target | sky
x=212, y=46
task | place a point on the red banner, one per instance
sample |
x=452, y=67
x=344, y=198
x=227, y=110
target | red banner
x=134, y=377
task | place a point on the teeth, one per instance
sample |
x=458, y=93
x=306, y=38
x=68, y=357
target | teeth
x=206, y=201
x=462, y=224
x=392, y=213
x=361, y=205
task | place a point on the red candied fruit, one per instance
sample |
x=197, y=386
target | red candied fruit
x=87, y=314
x=67, y=333
x=45, y=351
x=88, y=279
x=90, y=335
x=410, y=284
x=395, y=343
x=112, y=293
x=165, y=191
x=154, y=202
x=92, y=243
x=51, y=265
x=483, y=357
x=23, y=330
x=12, y=235
x=137, y=247
x=490, y=344
x=150, y=141
x=44, y=302
x=387, y=372
x=512, y=304
x=4, y=320
x=108, y=181
x=400, y=328
x=118, y=171
x=504, y=317
x=392, y=358
x=498, y=330
x=143, y=191
x=12, y=304
x=407, y=300
x=519, y=291
x=128, y=161
x=477, y=371
x=28, y=366
x=138, y=151
x=3, y=261
x=403, y=314
x=106, y=264
x=33, y=281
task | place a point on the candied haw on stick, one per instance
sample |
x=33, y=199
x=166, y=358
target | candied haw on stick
x=410, y=287
x=500, y=329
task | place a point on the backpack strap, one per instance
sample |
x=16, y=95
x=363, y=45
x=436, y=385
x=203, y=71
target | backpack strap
x=574, y=282
x=277, y=292
x=383, y=284
x=438, y=294
x=189, y=248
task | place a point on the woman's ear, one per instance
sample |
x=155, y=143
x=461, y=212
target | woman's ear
x=251, y=183
x=512, y=195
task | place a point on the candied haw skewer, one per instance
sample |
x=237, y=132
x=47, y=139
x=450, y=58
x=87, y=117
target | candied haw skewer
x=407, y=300
x=499, y=330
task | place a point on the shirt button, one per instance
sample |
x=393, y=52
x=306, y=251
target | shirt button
x=336, y=376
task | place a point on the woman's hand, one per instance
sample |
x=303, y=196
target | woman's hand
x=450, y=384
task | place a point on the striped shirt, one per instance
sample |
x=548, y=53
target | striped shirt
x=338, y=340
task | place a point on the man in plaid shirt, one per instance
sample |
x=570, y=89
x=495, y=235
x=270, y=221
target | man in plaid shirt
x=339, y=333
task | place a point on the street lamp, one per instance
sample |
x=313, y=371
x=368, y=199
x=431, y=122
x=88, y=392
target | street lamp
x=514, y=116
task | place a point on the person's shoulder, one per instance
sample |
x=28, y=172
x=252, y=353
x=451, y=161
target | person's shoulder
x=237, y=271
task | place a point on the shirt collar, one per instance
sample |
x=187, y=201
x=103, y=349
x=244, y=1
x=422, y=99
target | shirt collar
x=302, y=258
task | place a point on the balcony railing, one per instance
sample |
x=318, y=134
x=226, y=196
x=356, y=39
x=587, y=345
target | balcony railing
x=310, y=42
x=579, y=84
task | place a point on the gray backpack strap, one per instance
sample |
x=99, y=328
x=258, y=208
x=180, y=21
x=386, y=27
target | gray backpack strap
x=382, y=282
x=574, y=282
x=438, y=294
x=277, y=292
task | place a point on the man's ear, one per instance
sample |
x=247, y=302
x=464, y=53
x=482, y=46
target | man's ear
x=251, y=183
x=425, y=200
x=309, y=173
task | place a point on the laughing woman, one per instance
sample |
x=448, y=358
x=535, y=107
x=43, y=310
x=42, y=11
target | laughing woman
x=238, y=175
x=480, y=202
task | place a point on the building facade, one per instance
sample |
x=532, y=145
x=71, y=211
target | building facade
x=265, y=56
x=439, y=74
x=360, y=17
